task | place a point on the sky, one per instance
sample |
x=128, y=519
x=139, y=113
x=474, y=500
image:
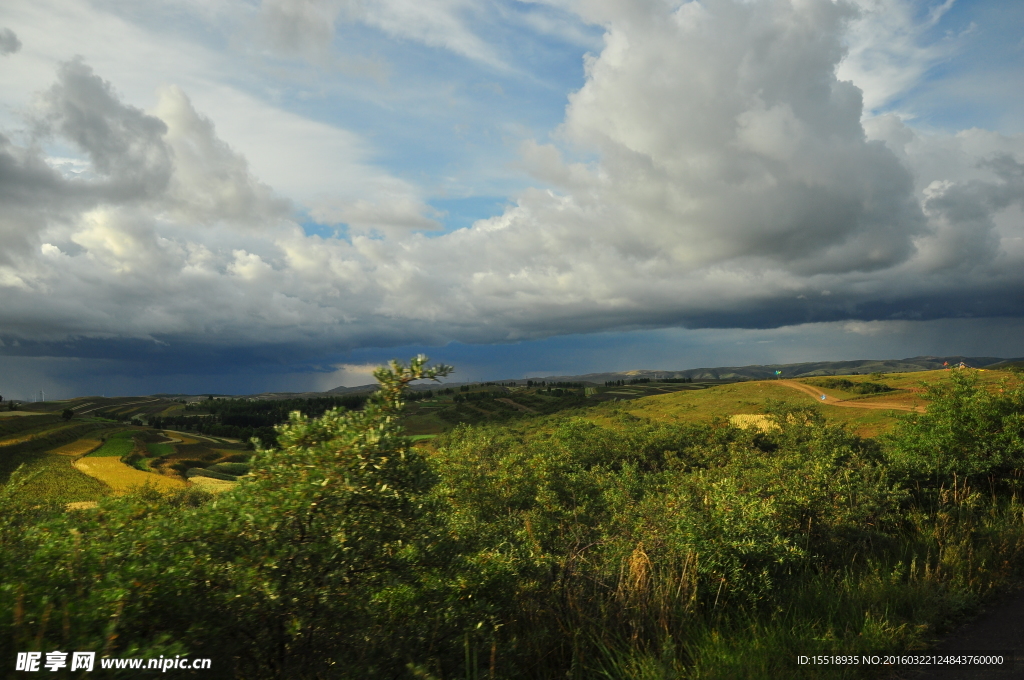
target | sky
x=247, y=196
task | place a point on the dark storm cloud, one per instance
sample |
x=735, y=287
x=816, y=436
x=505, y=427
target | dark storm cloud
x=9, y=43
x=123, y=144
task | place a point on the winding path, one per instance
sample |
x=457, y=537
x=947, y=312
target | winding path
x=848, y=403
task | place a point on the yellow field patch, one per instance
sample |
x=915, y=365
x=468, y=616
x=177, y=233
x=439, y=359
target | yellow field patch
x=82, y=505
x=78, y=448
x=122, y=478
x=746, y=421
x=213, y=485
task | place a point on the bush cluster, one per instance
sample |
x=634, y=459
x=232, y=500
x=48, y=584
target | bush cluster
x=851, y=386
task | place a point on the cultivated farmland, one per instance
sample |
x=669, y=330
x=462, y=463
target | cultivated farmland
x=78, y=448
x=121, y=478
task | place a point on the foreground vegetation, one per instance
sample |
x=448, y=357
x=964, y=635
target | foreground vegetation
x=617, y=546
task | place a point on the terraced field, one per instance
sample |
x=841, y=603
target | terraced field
x=122, y=478
x=36, y=432
x=78, y=462
x=82, y=447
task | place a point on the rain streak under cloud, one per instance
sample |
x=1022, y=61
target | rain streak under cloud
x=268, y=194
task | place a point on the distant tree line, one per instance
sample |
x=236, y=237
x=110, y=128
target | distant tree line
x=541, y=383
x=850, y=386
x=477, y=396
x=244, y=419
x=644, y=381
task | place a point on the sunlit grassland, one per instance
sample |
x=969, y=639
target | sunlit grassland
x=122, y=478
x=77, y=448
x=743, y=398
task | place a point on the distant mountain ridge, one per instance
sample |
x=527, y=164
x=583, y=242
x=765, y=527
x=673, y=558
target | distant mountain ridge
x=802, y=370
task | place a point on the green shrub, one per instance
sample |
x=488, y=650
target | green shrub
x=851, y=386
x=967, y=432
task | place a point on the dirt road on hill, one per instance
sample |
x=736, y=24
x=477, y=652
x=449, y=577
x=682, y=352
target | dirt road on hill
x=851, y=403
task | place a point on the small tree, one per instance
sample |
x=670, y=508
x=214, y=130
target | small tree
x=67, y=414
x=326, y=535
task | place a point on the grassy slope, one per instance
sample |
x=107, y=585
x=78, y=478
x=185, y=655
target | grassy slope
x=53, y=477
x=47, y=466
x=117, y=445
x=682, y=403
x=12, y=426
x=52, y=470
x=751, y=397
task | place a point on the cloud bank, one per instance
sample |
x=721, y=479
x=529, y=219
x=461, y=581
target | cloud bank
x=713, y=171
